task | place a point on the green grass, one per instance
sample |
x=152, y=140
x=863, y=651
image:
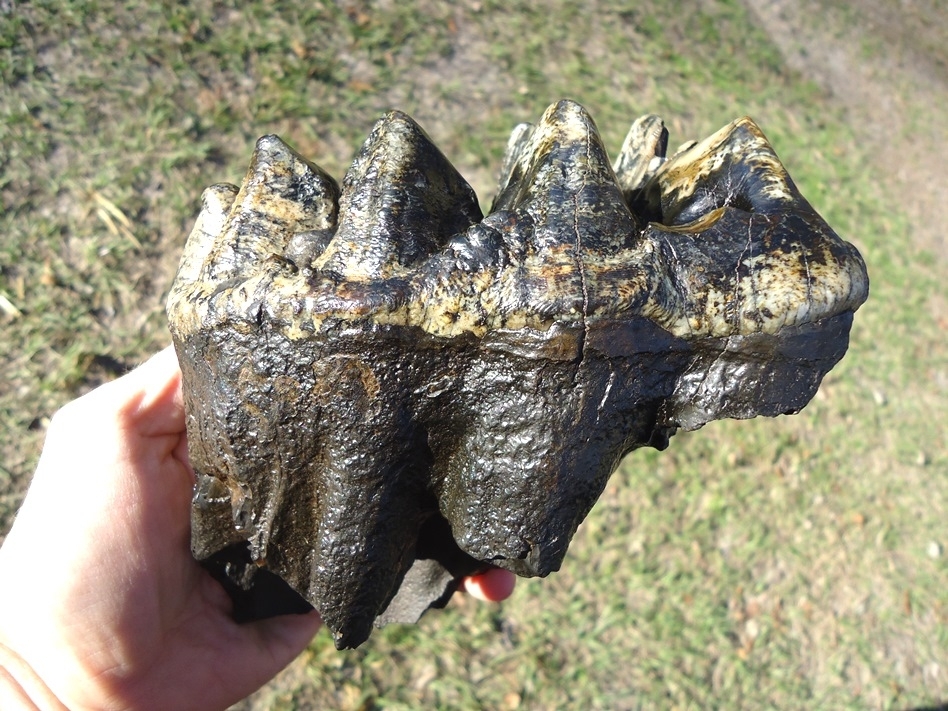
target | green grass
x=755, y=564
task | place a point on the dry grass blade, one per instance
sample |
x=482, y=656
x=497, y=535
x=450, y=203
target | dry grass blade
x=115, y=220
x=8, y=308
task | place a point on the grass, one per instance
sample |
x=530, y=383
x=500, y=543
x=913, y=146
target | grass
x=781, y=563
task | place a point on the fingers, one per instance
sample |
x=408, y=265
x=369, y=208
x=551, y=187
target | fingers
x=148, y=399
x=285, y=636
x=492, y=585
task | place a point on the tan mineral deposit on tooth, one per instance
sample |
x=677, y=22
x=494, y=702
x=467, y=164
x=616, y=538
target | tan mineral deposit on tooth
x=387, y=391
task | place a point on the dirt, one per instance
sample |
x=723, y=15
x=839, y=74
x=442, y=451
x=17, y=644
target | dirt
x=886, y=64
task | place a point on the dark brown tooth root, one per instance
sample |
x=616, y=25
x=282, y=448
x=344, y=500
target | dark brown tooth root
x=386, y=391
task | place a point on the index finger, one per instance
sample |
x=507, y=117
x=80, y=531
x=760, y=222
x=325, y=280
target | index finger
x=492, y=585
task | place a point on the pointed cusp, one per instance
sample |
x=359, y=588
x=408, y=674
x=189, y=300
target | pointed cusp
x=216, y=204
x=643, y=151
x=735, y=167
x=401, y=201
x=562, y=177
x=516, y=144
x=282, y=194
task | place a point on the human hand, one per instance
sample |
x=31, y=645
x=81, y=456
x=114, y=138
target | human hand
x=101, y=597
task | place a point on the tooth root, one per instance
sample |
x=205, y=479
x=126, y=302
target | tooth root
x=563, y=178
x=283, y=193
x=370, y=490
x=401, y=201
x=530, y=427
x=498, y=462
x=642, y=153
x=735, y=167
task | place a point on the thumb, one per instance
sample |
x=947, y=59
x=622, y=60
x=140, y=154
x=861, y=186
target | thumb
x=264, y=647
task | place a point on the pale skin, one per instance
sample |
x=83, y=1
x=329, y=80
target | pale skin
x=101, y=604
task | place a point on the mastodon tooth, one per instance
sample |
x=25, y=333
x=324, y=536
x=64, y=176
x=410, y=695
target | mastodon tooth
x=384, y=400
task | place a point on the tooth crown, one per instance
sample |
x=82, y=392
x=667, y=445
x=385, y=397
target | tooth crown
x=410, y=247
x=386, y=390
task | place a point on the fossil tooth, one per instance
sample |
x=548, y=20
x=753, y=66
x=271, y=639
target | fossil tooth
x=384, y=400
